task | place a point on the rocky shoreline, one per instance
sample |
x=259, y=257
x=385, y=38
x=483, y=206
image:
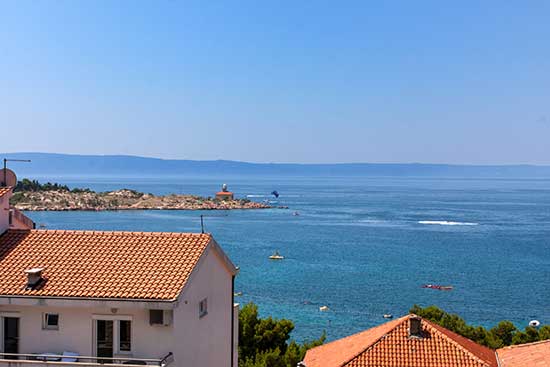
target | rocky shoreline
x=86, y=200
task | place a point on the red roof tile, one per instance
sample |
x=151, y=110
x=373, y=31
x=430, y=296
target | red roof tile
x=532, y=354
x=389, y=345
x=107, y=265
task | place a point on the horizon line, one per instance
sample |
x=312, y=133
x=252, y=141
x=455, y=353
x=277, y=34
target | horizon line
x=286, y=163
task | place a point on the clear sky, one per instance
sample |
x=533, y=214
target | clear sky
x=297, y=81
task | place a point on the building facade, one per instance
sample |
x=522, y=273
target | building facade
x=89, y=297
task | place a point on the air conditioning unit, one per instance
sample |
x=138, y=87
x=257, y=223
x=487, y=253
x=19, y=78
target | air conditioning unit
x=160, y=317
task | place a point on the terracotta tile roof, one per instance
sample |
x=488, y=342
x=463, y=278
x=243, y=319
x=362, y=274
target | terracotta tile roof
x=389, y=345
x=107, y=265
x=532, y=354
x=4, y=190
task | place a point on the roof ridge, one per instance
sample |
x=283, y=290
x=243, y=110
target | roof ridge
x=463, y=348
x=524, y=344
x=371, y=345
x=84, y=231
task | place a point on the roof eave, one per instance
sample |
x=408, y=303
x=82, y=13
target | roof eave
x=87, y=301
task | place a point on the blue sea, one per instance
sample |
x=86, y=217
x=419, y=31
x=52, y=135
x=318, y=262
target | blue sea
x=362, y=246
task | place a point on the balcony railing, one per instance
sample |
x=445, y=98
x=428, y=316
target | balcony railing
x=21, y=218
x=48, y=359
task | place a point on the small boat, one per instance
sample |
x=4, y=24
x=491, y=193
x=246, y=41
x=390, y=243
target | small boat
x=534, y=323
x=238, y=294
x=295, y=214
x=276, y=256
x=324, y=308
x=438, y=287
x=388, y=316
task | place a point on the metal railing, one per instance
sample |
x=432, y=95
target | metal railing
x=43, y=359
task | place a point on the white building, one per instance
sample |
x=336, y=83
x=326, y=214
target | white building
x=96, y=298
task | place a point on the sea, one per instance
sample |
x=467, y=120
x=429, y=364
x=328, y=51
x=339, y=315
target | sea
x=362, y=246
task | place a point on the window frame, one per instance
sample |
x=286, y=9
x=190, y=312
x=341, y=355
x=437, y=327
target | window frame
x=116, y=332
x=45, y=319
x=159, y=312
x=119, y=334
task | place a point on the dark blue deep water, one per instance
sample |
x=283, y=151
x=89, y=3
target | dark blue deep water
x=364, y=246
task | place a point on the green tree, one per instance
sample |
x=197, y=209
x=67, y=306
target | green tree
x=264, y=342
x=503, y=334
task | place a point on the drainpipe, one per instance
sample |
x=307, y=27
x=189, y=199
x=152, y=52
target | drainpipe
x=232, y=320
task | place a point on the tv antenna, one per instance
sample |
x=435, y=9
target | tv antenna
x=8, y=176
x=211, y=216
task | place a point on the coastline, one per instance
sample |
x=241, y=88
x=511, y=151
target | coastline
x=121, y=200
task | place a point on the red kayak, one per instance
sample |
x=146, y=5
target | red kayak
x=438, y=287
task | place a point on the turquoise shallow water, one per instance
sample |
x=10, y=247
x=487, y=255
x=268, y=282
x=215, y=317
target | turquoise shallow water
x=363, y=246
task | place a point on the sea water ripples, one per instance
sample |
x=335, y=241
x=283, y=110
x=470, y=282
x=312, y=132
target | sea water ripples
x=363, y=246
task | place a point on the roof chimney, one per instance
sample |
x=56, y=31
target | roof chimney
x=34, y=277
x=415, y=327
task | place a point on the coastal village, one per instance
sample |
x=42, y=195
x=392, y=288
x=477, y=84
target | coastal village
x=92, y=298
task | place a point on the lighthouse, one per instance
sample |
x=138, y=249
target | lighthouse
x=225, y=194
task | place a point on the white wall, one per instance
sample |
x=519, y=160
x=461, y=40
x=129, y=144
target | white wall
x=206, y=341
x=75, y=332
x=4, y=213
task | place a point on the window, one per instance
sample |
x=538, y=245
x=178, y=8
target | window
x=51, y=321
x=156, y=317
x=203, y=308
x=125, y=336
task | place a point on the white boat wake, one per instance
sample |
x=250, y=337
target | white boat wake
x=447, y=223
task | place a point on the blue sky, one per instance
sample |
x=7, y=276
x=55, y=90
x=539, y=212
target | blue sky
x=310, y=81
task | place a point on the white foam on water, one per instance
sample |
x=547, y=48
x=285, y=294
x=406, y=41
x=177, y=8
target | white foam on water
x=257, y=196
x=447, y=223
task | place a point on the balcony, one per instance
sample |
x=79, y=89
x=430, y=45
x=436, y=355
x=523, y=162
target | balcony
x=19, y=220
x=49, y=359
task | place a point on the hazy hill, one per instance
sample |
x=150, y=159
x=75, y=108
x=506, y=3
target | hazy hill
x=67, y=164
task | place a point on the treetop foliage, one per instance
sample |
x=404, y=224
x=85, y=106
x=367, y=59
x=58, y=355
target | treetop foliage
x=503, y=334
x=35, y=186
x=264, y=342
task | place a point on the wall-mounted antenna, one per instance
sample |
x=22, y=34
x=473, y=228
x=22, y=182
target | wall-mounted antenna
x=211, y=216
x=9, y=173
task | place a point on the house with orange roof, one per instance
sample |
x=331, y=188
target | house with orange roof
x=409, y=341
x=94, y=298
x=531, y=354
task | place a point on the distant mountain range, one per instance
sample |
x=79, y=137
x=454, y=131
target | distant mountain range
x=120, y=165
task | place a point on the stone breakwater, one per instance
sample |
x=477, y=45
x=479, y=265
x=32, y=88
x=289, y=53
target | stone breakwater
x=60, y=200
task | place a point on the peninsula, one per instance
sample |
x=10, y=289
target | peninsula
x=33, y=196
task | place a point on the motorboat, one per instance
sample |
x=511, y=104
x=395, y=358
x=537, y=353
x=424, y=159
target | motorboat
x=323, y=308
x=276, y=256
x=438, y=287
x=388, y=316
